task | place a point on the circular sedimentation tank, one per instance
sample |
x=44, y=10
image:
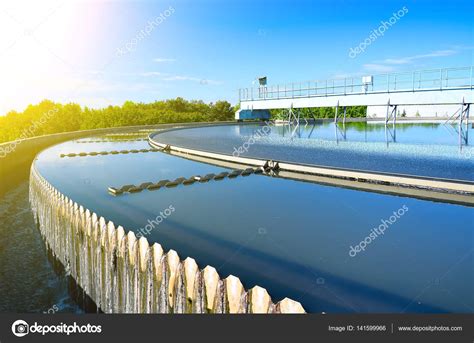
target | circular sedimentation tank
x=256, y=233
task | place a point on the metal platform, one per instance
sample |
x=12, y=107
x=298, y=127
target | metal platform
x=449, y=86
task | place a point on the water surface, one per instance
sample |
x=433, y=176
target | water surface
x=290, y=237
x=422, y=149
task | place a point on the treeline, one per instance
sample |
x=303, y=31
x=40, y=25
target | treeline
x=322, y=112
x=48, y=117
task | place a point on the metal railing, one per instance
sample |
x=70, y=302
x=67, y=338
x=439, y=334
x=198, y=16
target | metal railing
x=421, y=80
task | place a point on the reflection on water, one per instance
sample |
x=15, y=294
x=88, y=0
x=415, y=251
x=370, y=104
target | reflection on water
x=290, y=237
x=424, y=149
x=455, y=134
x=410, y=133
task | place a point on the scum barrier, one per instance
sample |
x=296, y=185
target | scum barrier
x=112, y=141
x=113, y=152
x=124, y=275
x=182, y=180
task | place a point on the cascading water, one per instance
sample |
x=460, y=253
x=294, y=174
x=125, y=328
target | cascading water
x=124, y=275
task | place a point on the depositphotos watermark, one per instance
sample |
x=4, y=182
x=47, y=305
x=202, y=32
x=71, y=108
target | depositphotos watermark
x=20, y=328
x=145, y=231
x=377, y=231
x=378, y=32
x=28, y=132
x=132, y=44
x=264, y=131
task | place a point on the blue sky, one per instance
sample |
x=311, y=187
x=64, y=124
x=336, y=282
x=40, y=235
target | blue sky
x=74, y=50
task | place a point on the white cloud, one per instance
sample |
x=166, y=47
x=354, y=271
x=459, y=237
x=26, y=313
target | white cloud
x=393, y=65
x=390, y=65
x=152, y=73
x=181, y=78
x=193, y=79
x=411, y=59
x=170, y=77
x=163, y=60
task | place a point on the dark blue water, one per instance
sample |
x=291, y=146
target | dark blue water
x=30, y=280
x=424, y=149
x=290, y=237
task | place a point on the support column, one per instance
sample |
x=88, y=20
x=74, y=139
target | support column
x=395, y=115
x=388, y=109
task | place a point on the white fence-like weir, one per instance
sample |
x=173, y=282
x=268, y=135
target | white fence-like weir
x=123, y=274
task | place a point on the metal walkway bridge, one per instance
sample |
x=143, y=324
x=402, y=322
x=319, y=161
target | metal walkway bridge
x=449, y=86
